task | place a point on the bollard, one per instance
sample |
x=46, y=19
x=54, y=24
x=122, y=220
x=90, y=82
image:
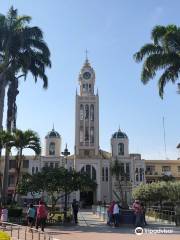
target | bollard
x=25, y=234
x=11, y=230
x=18, y=233
x=32, y=235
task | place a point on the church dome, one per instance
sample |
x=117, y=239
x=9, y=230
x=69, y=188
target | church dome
x=119, y=134
x=53, y=134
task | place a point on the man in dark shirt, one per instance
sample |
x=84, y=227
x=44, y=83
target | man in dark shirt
x=75, y=207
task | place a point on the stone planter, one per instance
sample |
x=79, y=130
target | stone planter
x=127, y=217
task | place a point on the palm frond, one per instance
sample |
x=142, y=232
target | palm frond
x=157, y=33
x=146, y=51
x=170, y=74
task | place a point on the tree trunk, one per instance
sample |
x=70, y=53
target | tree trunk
x=5, y=177
x=18, y=171
x=10, y=125
x=2, y=96
x=65, y=207
x=12, y=108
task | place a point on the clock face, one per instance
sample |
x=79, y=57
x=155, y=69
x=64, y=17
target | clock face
x=86, y=75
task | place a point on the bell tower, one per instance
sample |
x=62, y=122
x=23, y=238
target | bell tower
x=87, y=115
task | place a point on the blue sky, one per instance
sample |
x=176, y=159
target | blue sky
x=112, y=31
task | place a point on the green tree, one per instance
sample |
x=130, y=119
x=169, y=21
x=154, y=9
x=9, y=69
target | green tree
x=24, y=140
x=56, y=182
x=156, y=192
x=22, y=51
x=121, y=181
x=163, y=53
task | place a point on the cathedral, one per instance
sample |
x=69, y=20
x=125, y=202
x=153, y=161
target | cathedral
x=88, y=156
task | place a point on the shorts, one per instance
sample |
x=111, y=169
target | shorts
x=30, y=220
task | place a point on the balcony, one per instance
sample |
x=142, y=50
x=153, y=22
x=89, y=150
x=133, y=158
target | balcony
x=152, y=173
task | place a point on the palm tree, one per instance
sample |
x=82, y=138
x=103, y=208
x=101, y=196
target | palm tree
x=5, y=141
x=117, y=170
x=22, y=50
x=163, y=53
x=24, y=140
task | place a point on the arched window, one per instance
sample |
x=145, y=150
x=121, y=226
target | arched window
x=103, y=174
x=141, y=176
x=137, y=177
x=52, y=148
x=86, y=111
x=82, y=170
x=81, y=112
x=92, y=135
x=81, y=135
x=92, y=112
x=87, y=134
x=89, y=170
x=93, y=173
x=120, y=149
x=107, y=174
x=89, y=87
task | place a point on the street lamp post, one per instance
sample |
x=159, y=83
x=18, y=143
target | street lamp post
x=66, y=153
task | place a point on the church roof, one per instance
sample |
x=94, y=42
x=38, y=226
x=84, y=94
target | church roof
x=53, y=134
x=119, y=134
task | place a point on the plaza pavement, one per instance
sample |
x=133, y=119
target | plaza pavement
x=91, y=227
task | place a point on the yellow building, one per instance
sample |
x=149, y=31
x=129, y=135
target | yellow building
x=155, y=169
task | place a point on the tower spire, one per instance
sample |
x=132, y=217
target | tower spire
x=86, y=52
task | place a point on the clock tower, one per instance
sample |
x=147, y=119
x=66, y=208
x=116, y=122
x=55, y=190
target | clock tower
x=87, y=115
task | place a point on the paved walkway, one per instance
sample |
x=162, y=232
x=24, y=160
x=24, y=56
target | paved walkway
x=90, y=227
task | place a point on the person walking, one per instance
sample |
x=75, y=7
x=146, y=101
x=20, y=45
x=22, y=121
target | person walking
x=31, y=214
x=116, y=215
x=143, y=220
x=41, y=216
x=75, y=208
x=138, y=213
x=110, y=213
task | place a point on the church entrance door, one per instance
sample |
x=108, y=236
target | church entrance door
x=86, y=198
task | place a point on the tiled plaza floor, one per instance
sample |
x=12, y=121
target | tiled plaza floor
x=90, y=227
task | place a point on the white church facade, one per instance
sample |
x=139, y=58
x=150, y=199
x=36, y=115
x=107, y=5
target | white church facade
x=88, y=156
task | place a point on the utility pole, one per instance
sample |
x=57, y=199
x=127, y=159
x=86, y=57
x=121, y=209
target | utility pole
x=66, y=153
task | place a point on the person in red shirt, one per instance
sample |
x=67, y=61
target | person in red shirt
x=41, y=216
x=110, y=213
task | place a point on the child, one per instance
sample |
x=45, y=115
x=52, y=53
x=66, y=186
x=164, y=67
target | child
x=31, y=214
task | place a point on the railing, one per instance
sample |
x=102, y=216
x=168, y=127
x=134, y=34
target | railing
x=101, y=211
x=19, y=232
x=161, y=215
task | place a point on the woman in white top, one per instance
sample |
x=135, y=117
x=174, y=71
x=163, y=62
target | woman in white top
x=4, y=216
x=116, y=215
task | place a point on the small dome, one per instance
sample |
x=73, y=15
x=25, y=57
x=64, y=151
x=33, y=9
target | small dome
x=53, y=134
x=119, y=134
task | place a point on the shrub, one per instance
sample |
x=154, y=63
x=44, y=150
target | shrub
x=15, y=212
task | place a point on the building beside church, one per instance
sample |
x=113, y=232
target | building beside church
x=89, y=157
